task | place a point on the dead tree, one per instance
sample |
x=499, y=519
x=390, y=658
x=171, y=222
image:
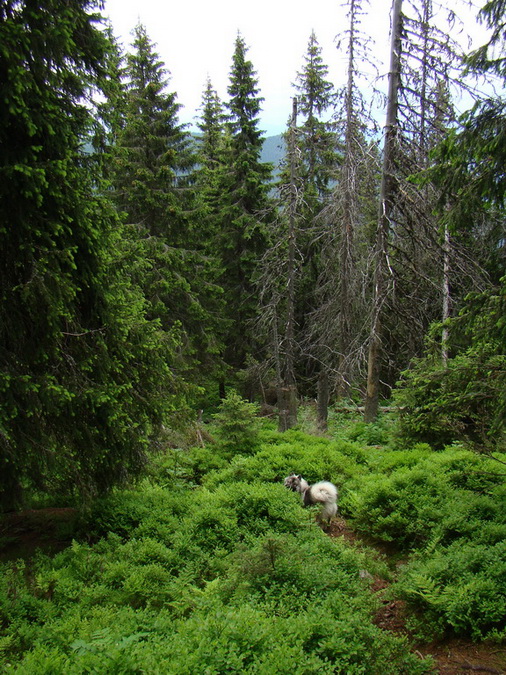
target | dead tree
x=287, y=393
x=387, y=191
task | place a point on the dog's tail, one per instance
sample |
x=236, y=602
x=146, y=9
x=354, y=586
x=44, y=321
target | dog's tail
x=324, y=492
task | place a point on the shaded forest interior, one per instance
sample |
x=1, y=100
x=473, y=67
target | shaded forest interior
x=183, y=325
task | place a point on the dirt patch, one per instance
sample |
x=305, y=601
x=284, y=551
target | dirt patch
x=24, y=532
x=455, y=657
x=451, y=656
x=339, y=528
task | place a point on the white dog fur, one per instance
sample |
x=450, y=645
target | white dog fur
x=320, y=493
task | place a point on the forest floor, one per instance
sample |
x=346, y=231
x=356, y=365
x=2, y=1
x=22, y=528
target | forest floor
x=23, y=533
x=452, y=656
x=50, y=530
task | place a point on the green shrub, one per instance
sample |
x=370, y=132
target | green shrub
x=306, y=565
x=292, y=452
x=19, y=599
x=237, y=425
x=200, y=461
x=461, y=586
x=464, y=397
x=385, y=461
x=324, y=637
x=402, y=508
x=124, y=511
x=212, y=526
x=100, y=640
x=436, y=499
x=260, y=507
x=302, y=608
x=369, y=434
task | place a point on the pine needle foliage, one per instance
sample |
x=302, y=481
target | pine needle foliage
x=80, y=401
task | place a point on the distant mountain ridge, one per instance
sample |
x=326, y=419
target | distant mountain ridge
x=273, y=150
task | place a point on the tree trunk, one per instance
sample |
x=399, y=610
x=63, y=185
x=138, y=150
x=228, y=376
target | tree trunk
x=288, y=389
x=446, y=294
x=323, y=400
x=384, y=219
x=347, y=223
x=288, y=404
x=222, y=390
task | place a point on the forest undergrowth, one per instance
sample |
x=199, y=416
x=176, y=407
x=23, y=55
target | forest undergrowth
x=209, y=565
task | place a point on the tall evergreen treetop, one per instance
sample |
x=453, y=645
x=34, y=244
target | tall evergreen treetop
x=247, y=175
x=243, y=186
x=244, y=103
x=210, y=161
x=110, y=116
x=317, y=142
x=154, y=156
x=153, y=186
x=304, y=186
x=315, y=92
x=211, y=125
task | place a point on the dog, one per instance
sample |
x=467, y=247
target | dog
x=320, y=493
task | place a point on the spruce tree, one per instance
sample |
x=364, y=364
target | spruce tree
x=212, y=126
x=153, y=187
x=154, y=158
x=291, y=267
x=84, y=377
x=210, y=162
x=244, y=207
x=308, y=175
x=316, y=96
x=110, y=112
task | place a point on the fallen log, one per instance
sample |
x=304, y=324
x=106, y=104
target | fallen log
x=361, y=408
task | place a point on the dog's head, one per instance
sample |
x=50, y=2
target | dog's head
x=293, y=482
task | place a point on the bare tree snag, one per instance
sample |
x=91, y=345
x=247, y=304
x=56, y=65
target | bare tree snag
x=384, y=218
x=288, y=388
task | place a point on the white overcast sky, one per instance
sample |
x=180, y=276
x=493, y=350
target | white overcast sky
x=195, y=39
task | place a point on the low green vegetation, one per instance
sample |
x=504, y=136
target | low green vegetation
x=210, y=565
x=145, y=272
x=448, y=511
